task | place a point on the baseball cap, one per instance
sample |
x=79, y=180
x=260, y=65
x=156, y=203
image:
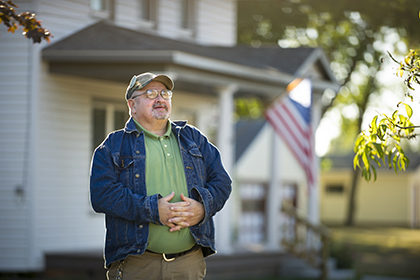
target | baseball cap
x=140, y=81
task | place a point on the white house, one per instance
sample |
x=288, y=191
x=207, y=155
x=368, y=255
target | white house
x=58, y=100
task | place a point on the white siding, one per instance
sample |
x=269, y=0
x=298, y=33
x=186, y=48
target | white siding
x=22, y=216
x=254, y=164
x=215, y=21
x=15, y=226
x=64, y=17
x=66, y=221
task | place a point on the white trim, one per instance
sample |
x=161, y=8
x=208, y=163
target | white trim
x=176, y=57
x=225, y=143
x=35, y=255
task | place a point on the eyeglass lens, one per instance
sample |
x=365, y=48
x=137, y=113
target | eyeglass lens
x=153, y=93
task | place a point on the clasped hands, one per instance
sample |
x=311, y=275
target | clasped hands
x=178, y=215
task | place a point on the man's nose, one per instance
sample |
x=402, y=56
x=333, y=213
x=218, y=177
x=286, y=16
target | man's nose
x=159, y=97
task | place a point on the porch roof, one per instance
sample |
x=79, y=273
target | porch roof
x=106, y=51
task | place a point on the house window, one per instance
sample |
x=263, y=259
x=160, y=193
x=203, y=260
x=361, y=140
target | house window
x=147, y=10
x=107, y=118
x=334, y=189
x=290, y=194
x=253, y=215
x=187, y=14
x=144, y=10
x=99, y=5
x=101, y=8
x=146, y=13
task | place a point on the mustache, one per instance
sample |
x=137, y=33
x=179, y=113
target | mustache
x=159, y=104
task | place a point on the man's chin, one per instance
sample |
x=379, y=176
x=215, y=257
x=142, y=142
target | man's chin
x=161, y=116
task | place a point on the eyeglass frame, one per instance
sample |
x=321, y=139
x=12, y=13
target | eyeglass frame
x=149, y=91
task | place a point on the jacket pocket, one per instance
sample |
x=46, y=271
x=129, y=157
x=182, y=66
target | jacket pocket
x=198, y=161
x=123, y=166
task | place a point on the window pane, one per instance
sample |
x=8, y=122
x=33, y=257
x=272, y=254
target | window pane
x=144, y=9
x=252, y=225
x=334, y=189
x=98, y=127
x=99, y=5
x=184, y=14
x=120, y=118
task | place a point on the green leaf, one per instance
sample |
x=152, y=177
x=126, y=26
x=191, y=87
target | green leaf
x=365, y=160
x=409, y=110
x=379, y=149
x=373, y=124
x=356, y=161
x=389, y=159
x=394, y=115
x=394, y=163
x=374, y=173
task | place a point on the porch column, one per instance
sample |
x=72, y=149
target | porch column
x=313, y=205
x=274, y=197
x=225, y=143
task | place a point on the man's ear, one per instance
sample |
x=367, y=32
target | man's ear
x=130, y=104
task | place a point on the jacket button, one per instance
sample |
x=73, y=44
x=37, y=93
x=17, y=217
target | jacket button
x=140, y=226
x=137, y=175
x=137, y=152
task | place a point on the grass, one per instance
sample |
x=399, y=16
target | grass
x=378, y=250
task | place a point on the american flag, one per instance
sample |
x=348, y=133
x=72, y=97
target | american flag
x=291, y=118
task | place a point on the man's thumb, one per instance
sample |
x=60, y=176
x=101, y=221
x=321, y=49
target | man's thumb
x=169, y=196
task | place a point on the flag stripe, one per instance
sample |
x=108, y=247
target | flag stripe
x=290, y=120
x=283, y=128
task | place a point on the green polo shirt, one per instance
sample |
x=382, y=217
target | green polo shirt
x=164, y=174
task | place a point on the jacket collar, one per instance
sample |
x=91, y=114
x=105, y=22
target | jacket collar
x=130, y=126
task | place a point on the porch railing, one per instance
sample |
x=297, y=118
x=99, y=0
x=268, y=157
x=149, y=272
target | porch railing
x=305, y=240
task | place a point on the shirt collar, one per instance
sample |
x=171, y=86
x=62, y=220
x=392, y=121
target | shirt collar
x=152, y=135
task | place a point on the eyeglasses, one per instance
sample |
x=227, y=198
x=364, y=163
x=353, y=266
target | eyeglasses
x=153, y=93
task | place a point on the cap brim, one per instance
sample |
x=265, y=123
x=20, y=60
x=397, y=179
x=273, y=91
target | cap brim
x=166, y=80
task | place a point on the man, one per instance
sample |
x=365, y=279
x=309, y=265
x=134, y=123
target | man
x=159, y=184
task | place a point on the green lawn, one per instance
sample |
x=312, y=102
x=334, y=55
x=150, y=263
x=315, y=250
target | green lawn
x=378, y=250
x=386, y=251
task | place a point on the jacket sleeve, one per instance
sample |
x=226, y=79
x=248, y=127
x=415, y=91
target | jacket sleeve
x=111, y=197
x=217, y=187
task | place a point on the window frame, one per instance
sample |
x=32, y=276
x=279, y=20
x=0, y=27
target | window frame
x=335, y=189
x=110, y=109
x=188, y=16
x=254, y=193
x=106, y=10
x=151, y=21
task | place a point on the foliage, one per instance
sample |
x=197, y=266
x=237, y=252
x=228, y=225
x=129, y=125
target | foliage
x=383, y=139
x=32, y=28
x=248, y=108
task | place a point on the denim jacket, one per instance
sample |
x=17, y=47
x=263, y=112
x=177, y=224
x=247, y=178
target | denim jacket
x=118, y=188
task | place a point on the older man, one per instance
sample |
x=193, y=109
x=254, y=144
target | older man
x=159, y=184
